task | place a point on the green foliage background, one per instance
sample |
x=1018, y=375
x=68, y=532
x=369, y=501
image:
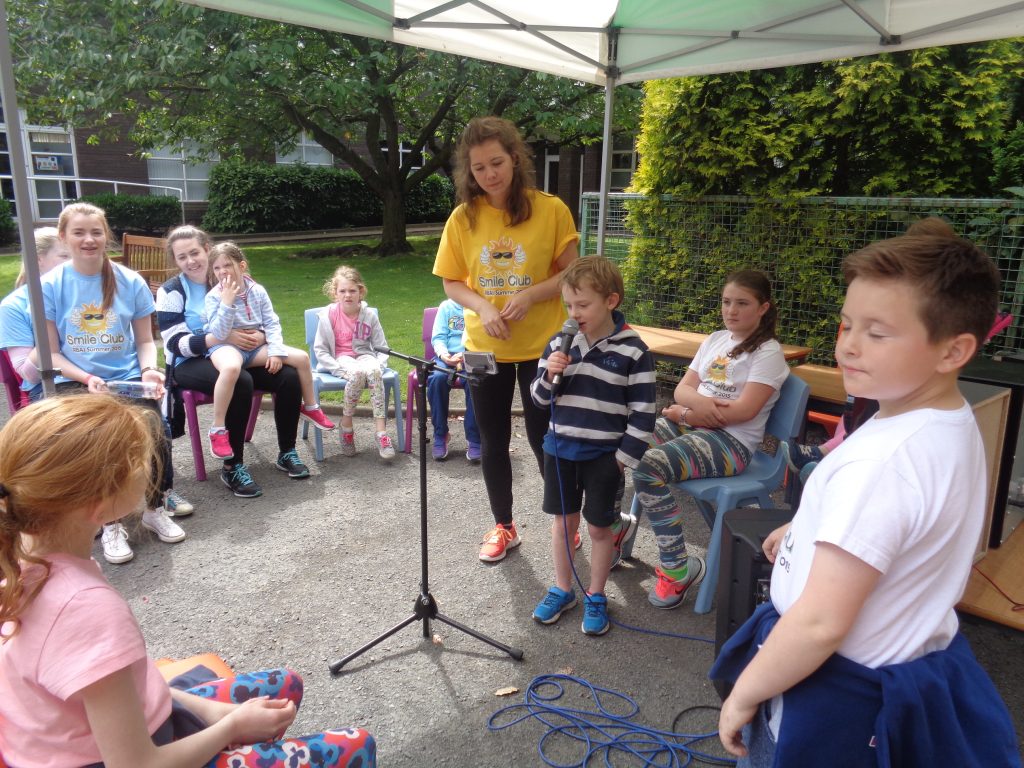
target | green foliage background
x=260, y=197
x=767, y=169
x=138, y=214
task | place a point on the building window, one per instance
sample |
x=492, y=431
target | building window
x=410, y=158
x=51, y=153
x=181, y=169
x=51, y=161
x=306, y=151
x=624, y=160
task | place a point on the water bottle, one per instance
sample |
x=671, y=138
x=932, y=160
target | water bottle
x=135, y=389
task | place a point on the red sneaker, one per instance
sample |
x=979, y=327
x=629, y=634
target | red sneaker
x=669, y=592
x=498, y=541
x=316, y=417
x=220, y=444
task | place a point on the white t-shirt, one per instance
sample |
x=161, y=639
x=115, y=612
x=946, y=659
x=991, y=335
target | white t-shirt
x=724, y=377
x=905, y=494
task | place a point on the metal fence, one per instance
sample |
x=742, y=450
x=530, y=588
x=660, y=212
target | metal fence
x=675, y=253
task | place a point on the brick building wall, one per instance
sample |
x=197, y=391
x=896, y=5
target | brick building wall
x=116, y=160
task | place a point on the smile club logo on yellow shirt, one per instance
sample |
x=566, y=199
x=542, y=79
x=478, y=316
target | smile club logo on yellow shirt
x=503, y=262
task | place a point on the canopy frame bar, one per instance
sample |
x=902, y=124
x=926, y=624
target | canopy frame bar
x=980, y=16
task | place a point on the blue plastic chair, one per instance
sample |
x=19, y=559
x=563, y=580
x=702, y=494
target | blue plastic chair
x=325, y=382
x=715, y=496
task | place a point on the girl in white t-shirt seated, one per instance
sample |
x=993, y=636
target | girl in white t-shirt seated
x=715, y=423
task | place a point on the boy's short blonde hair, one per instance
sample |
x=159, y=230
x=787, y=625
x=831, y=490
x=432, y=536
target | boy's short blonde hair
x=957, y=284
x=597, y=272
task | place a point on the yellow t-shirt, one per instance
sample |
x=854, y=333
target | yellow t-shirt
x=497, y=260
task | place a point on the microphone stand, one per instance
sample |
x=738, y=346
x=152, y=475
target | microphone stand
x=425, y=607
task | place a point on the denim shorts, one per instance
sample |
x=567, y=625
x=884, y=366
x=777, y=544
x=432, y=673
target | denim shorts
x=247, y=357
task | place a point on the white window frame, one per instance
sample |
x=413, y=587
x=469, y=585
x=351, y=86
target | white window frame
x=306, y=151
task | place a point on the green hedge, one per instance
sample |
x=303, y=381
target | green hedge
x=138, y=214
x=260, y=197
x=7, y=226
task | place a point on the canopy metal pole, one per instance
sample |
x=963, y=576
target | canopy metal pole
x=19, y=174
x=611, y=77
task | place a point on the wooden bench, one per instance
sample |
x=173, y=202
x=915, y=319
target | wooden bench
x=148, y=257
x=826, y=383
x=139, y=253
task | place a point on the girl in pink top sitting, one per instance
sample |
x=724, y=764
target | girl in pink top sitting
x=348, y=335
x=76, y=684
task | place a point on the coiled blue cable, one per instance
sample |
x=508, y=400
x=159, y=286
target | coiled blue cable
x=599, y=730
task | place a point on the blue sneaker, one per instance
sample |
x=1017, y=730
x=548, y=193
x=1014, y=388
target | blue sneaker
x=554, y=604
x=595, y=614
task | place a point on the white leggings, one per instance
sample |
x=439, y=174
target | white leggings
x=359, y=373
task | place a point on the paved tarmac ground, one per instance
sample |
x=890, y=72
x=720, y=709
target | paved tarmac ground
x=316, y=568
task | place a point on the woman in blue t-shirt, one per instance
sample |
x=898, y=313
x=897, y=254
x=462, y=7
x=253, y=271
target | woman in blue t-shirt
x=181, y=315
x=100, y=330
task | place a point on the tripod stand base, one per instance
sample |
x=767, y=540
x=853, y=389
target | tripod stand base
x=425, y=609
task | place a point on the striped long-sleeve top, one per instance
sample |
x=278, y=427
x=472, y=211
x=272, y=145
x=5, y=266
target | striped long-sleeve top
x=607, y=395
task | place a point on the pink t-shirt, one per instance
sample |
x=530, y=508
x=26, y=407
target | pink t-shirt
x=344, y=329
x=76, y=631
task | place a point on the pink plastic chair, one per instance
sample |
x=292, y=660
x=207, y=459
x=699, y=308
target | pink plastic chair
x=191, y=399
x=429, y=313
x=17, y=398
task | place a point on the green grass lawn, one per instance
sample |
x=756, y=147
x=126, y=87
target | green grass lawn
x=398, y=286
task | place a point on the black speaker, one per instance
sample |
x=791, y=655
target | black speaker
x=744, y=572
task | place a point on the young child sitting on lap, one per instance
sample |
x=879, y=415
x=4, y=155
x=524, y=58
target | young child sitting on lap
x=601, y=423
x=238, y=301
x=856, y=660
x=76, y=684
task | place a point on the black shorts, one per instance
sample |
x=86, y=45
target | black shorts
x=595, y=481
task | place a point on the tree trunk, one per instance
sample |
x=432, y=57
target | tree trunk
x=392, y=238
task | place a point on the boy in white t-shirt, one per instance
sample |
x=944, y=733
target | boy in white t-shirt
x=841, y=666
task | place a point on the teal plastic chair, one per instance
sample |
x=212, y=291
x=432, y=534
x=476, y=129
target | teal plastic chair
x=325, y=382
x=715, y=496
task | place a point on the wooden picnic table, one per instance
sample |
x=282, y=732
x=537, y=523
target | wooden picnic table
x=680, y=346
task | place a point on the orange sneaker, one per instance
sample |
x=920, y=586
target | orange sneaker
x=498, y=541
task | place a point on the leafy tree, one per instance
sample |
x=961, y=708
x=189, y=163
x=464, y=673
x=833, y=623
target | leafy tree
x=918, y=123
x=243, y=86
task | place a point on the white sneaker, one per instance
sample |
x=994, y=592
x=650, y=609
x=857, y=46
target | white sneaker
x=384, y=447
x=176, y=505
x=115, y=544
x=159, y=523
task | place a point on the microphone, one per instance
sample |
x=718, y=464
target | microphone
x=569, y=330
x=382, y=350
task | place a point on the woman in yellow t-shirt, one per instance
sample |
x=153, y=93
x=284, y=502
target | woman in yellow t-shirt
x=499, y=257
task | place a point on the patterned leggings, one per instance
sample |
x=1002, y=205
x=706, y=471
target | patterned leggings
x=361, y=373
x=349, y=747
x=681, y=453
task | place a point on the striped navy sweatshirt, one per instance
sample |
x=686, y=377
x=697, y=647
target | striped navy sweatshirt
x=606, y=400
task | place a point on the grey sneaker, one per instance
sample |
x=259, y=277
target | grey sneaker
x=348, y=443
x=624, y=536
x=238, y=479
x=115, y=544
x=175, y=505
x=669, y=592
x=384, y=447
x=157, y=521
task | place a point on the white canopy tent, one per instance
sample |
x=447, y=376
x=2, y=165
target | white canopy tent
x=604, y=42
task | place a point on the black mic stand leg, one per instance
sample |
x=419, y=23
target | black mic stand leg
x=425, y=607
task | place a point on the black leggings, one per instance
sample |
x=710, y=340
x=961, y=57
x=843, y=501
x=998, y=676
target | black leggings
x=199, y=374
x=492, y=404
